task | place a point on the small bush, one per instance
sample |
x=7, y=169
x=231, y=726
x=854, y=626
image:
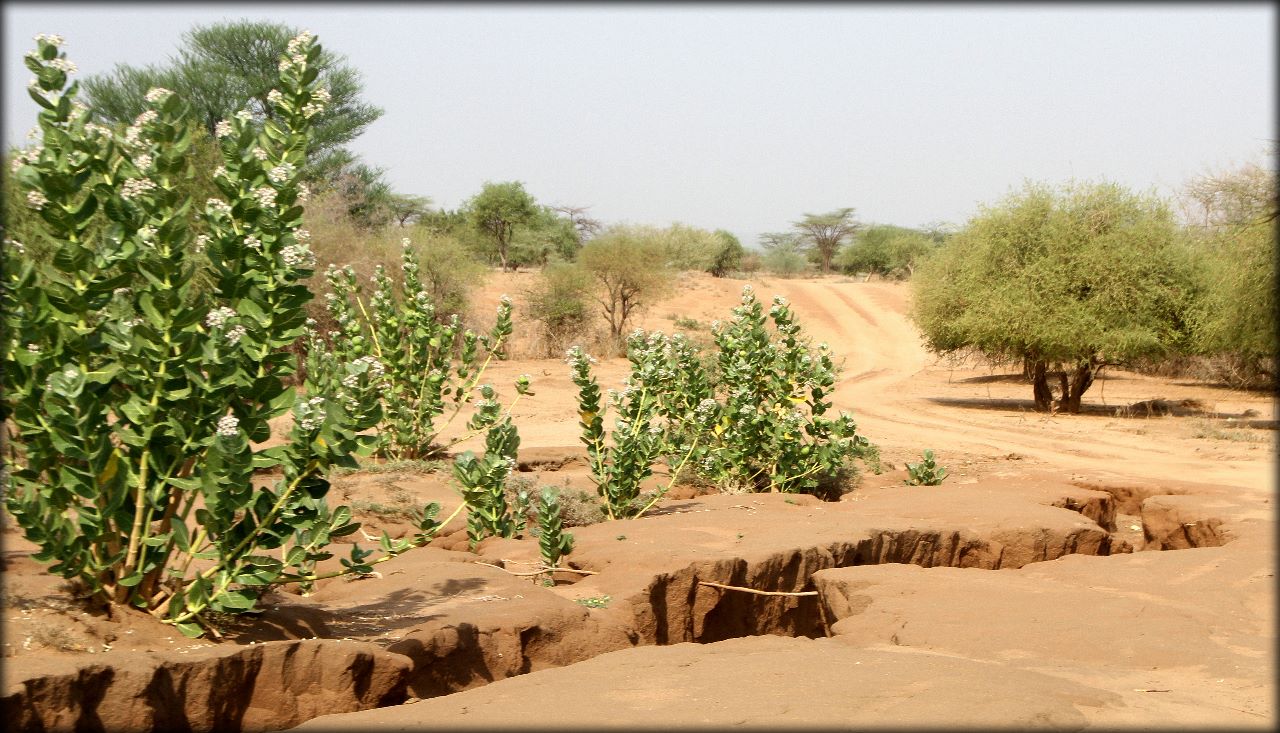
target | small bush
x=560, y=301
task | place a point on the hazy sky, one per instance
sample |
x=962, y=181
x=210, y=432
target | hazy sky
x=744, y=117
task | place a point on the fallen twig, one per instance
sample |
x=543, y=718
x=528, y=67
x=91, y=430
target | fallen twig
x=759, y=592
x=543, y=570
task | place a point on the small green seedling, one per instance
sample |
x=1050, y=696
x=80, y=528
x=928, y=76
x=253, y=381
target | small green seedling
x=926, y=472
x=595, y=601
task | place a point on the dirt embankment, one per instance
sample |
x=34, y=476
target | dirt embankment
x=896, y=621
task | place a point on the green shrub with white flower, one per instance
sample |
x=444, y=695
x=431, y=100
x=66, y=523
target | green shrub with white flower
x=131, y=403
x=617, y=470
x=757, y=420
x=431, y=368
x=769, y=428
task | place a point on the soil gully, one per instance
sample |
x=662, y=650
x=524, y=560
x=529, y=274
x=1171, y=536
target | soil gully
x=268, y=687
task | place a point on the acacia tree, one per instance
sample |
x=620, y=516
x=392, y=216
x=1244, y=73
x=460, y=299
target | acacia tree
x=223, y=68
x=629, y=263
x=497, y=210
x=1064, y=281
x=585, y=226
x=1233, y=222
x=826, y=232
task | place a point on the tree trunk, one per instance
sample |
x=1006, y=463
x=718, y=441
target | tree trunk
x=1081, y=380
x=1040, y=385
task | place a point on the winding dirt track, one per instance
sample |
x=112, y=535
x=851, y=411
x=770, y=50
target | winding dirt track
x=903, y=396
x=905, y=399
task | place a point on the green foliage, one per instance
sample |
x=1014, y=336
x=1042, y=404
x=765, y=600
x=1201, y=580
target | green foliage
x=756, y=420
x=423, y=367
x=130, y=399
x=771, y=430
x=824, y=233
x=728, y=255
x=1235, y=238
x=886, y=250
x=630, y=265
x=926, y=472
x=784, y=260
x=226, y=67
x=553, y=542
x=559, y=302
x=620, y=468
x=1067, y=280
x=595, y=601
x=546, y=236
x=497, y=211
x=483, y=481
x=687, y=248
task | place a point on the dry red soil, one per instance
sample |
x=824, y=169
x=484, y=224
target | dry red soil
x=1114, y=568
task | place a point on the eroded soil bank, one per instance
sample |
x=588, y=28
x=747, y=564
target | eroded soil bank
x=436, y=623
x=1084, y=623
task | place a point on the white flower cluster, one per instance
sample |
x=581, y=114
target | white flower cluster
x=302, y=235
x=297, y=42
x=220, y=172
x=229, y=426
x=322, y=94
x=120, y=291
x=243, y=115
x=63, y=65
x=36, y=200
x=97, y=130
x=131, y=133
x=265, y=195
x=275, y=97
x=259, y=153
x=218, y=206
x=218, y=316
x=575, y=356
x=311, y=109
x=202, y=241
x=297, y=255
x=234, y=334
x=135, y=187
x=144, y=162
x=52, y=39
x=706, y=409
x=157, y=94
x=253, y=242
x=309, y=414
x=376, y=372
x=223, y=128
x=28, y=156
x=147, y=233
x=304, y=193
x=33, y=348
x=281, y=173
x=17, y=246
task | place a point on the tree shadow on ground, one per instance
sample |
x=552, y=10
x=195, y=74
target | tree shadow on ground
x=1157, y=407
x=295, y=618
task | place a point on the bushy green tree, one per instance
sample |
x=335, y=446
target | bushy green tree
x=1065, y=281
x=1234, y=226
x=886, y=250
x=546, y=236
x=560, y=301
x=226, y=67
x=497, y=211
x=629, y=265
x=728, y=255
